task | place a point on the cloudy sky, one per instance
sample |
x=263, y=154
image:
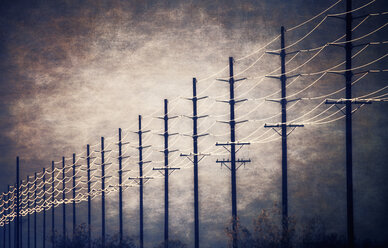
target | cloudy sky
x=73, y=71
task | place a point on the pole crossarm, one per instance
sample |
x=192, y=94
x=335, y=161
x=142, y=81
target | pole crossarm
x=195, y=98
x=283, y=100
x=231, y=79
x=223, y=161
x=142, y=132
x=196, y=135
x=282, y=125
x=123, y=143
x=196, y=117
x=169, y=151
x=192, y=154
x=144, y=162
x=352, y=101
x=167, y=134
x=283, y=76
x=167, y=118
x=233, y=122
x=232, y=101
x=165, y=168
x=122, y=157
x=233, y=143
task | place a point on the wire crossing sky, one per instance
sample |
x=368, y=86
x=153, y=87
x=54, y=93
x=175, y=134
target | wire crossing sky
x=73, y=72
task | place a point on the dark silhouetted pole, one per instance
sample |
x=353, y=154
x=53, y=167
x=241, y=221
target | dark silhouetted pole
x=74, y=213
x=348, y=104
x=141, y=217
x=9, y=220
x=120, y=191
x=195, y=159
x=28, y=213
x=89, y=197
x=21, y=216
x=17, y=221
x=35, y=200
x=44, y=209
x=5, y=213
x=348, y=119
x=140, y=180
x=64, y=204
x=166, y=170
x=283, y=125
x=232, y=123
x=52, y=203
x=102, y=193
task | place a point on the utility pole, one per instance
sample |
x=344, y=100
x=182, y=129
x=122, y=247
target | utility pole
x=120, y=191
x=44, y=209
x=121, y=157
x=74, y=213
x=233, y=161
x=195, y=159
x=6, y=205
x=21, y=216
x=53, y=203
x=348, y=120
x=4, y=198
x=141, y=179
x=284, y=134
x=64, y=204
x=89, y=183
x=9, y=220
x=17, y=223
x=35, y=201
x=103, y=191
x=28, y=214
x=89, y=197
x=166, y=169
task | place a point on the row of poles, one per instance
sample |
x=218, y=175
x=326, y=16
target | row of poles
x=232, y=163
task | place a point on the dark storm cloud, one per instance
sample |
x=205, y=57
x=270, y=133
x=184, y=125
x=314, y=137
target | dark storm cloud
x=76, y=70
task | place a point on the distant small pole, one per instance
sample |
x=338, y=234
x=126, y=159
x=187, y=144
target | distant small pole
x=35, y=189
x=102, y=193
x=5, y=221
x=9, y=221
x=120, y=191
x=89, y=197
x=28, y=213
x=17, y=223
x=52, y=203
x=44, y=208
x=141, y=185
x=74, y=214
x=21, y=218
x=64, y=198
